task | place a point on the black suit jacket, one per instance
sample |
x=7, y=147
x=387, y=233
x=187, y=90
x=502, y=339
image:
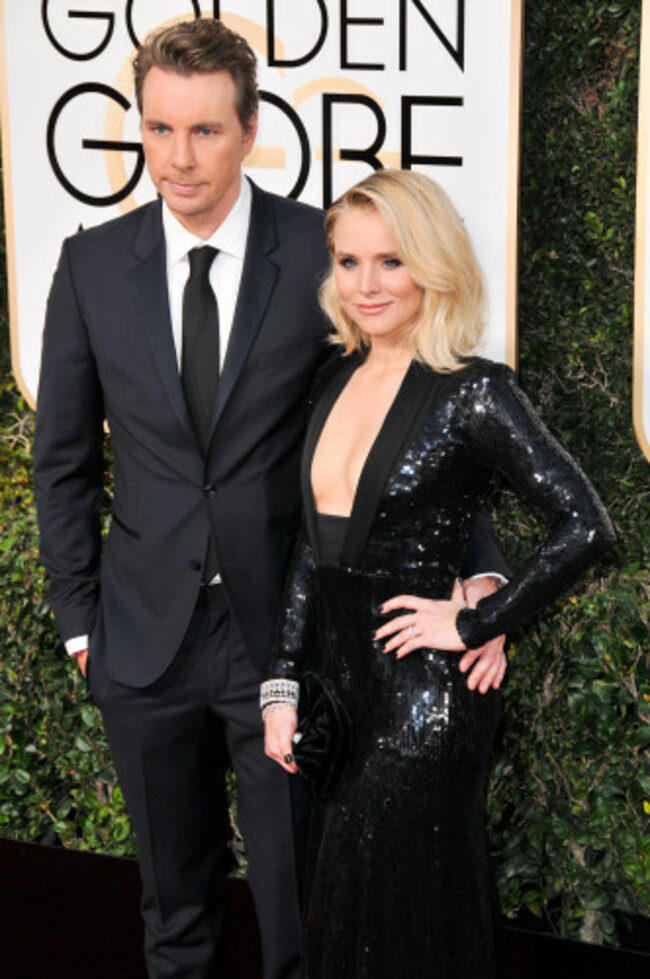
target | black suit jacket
x=109, y=355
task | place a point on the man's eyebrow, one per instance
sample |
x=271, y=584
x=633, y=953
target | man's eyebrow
x=204, y=124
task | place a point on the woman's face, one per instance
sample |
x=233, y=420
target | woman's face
x=377, y=291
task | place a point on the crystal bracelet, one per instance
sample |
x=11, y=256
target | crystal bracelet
x=280, y=691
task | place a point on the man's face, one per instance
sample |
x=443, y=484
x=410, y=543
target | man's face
x=194, y=144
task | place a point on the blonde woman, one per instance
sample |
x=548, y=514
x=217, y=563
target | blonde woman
x=406, y=429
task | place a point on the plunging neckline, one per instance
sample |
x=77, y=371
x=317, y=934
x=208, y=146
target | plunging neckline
x=403, y=416
x=373, y=443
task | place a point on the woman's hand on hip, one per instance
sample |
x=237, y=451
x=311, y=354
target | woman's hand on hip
x=431, y=624
x=426, y=624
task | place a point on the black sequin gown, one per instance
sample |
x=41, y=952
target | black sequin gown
x=399, y=883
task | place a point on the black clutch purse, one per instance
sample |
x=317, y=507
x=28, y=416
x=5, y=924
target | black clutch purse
x=323, y=740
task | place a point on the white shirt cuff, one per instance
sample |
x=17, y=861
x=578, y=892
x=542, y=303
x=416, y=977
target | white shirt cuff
x=490, y=574
x=76, y=645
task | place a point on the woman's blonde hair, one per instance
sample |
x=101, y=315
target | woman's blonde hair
x=431, y=240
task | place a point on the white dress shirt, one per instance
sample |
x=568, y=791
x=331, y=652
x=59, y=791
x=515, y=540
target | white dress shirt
x=225, y=272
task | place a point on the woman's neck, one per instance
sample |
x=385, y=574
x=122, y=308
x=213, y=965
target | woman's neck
x=387, y=357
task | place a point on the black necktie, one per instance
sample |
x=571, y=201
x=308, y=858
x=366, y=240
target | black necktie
x=200, y=355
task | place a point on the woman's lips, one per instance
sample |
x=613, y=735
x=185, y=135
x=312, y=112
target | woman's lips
x=371, y=309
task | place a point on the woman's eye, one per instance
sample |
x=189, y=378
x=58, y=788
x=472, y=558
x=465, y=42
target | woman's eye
x=347, y=262
x=392, y=263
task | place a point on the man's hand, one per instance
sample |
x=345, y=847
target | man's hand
x=489, y=661
x=81, y=659
x=474, y=589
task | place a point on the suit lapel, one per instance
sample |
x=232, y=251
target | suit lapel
x=258, y=279
x=403, y=420
x=149, y=282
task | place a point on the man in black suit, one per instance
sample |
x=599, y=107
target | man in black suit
x=172, y=618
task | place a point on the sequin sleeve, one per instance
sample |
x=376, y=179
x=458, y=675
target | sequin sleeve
x=296, y=634
x=506, y=435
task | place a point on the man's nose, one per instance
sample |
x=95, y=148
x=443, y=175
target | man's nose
x=182, y=156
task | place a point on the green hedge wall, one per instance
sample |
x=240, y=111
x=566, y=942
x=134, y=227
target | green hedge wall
x=569, y=801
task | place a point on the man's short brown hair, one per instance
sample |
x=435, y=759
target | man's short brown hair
x=200, y=47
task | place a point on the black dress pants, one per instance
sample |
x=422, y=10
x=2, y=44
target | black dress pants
x=172, y=743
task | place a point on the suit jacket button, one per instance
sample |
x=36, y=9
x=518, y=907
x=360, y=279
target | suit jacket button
x=195, y=565
x=210, y=491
